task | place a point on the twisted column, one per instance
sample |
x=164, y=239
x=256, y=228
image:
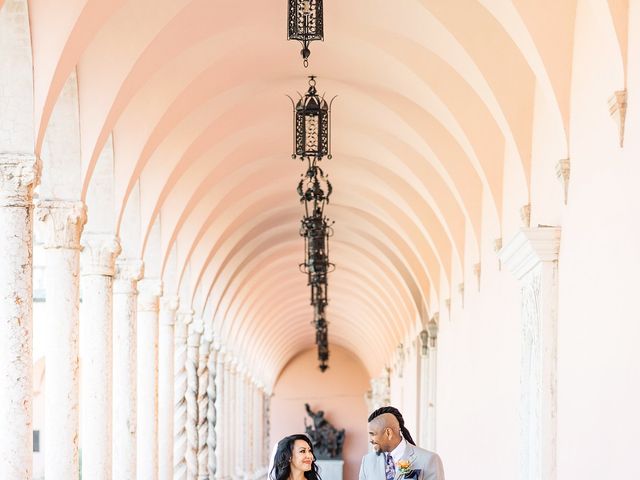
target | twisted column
x=147, y=444
x=98, y=269
x=193, y=344
x=222, y=413
x=19, y=173
x=63, y=223
x=125, y=293
x=203, y=406
x=212, y=399
x=233, y=418
x=168, y=307
x=179, y=395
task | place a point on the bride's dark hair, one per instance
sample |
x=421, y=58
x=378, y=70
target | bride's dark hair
x=282, y=460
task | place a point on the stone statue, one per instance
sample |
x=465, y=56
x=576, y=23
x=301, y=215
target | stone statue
x=327, y=441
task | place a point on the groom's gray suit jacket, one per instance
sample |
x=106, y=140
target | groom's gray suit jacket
x=428, y=463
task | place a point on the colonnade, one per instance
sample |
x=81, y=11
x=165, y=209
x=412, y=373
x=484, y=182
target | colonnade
x=135, y=383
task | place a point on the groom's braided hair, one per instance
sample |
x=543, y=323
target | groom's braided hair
x=396, y=413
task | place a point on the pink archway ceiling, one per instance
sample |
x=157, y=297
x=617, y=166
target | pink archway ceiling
x=431, y=94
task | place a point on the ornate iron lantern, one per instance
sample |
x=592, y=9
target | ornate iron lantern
x=305, y=23
x=322, y=341
x=312, y=124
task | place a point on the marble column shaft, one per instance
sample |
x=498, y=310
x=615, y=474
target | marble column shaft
x=63, y=223
x=98, y=269
x=125, y=294
x=203, y=406
x=185, y=318
x=212, y=414
x=168, y=307
x=147, y=443
x=19, y=173
x=191, y=396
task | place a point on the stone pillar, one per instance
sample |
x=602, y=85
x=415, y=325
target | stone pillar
x=234, y=412
x=168, y=307
x=193, y=345
x=203, y=406
x=148, y=309
x=532, y=256
x=179, y=395
x=267, y=426
x=98, y=268
x=125, y=294
x=432, y=383
x=221, y=413
x=212, y=414
x=64, y=222
x=19, y=173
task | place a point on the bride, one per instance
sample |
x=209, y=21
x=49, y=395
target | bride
x=294, y=460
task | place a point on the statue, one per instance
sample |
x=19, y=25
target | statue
x=327, y=441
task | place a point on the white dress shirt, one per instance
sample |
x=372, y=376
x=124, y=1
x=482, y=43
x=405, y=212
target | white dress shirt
x=398, y=452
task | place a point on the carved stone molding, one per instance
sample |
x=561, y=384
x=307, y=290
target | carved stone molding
x=529, y=247
x=64, y=221
x=477, y=272
x=563, y=172
x=618, y=111
x=99, y=253
x=128, y=272
x=19, y=175
x=525, y=215
x=150, y=291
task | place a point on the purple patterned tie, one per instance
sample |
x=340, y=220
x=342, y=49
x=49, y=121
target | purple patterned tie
x=390, y=468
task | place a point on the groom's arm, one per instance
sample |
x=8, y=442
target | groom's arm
x=434, y=470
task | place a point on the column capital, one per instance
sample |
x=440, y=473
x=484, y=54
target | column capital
x=19, y=174
x=195, y=330
x=150, y=291
x=99, y=254
x=64, y=221
x=168, y=307
x=530, y=247
x=128, y=272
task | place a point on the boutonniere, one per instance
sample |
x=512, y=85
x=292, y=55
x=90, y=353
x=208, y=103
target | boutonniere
x=405, y=470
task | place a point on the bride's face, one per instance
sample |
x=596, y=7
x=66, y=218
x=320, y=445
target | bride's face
x=301, y=457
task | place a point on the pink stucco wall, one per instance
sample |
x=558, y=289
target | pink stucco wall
x=339, y=392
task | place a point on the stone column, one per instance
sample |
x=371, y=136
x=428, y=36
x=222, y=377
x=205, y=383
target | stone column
x=203, y=406
x=148, y=309
x=193, y=345
x=168, y=307
x=432, y=382
x=179, y=395
x=19, y=173
x=212, y=414
x=125, y=294
x=532, y=256
x=63, y=222
x=267, y=426
x=221, y=413
x=98, y=268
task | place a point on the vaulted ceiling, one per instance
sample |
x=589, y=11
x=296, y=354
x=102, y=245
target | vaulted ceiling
x=431, y=94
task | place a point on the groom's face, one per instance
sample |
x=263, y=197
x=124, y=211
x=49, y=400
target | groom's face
x=380, y=437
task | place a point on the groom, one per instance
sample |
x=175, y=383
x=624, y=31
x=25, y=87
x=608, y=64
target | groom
x=395, y=455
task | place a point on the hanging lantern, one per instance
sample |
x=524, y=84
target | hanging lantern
x=312, y=124
x=305, y=24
